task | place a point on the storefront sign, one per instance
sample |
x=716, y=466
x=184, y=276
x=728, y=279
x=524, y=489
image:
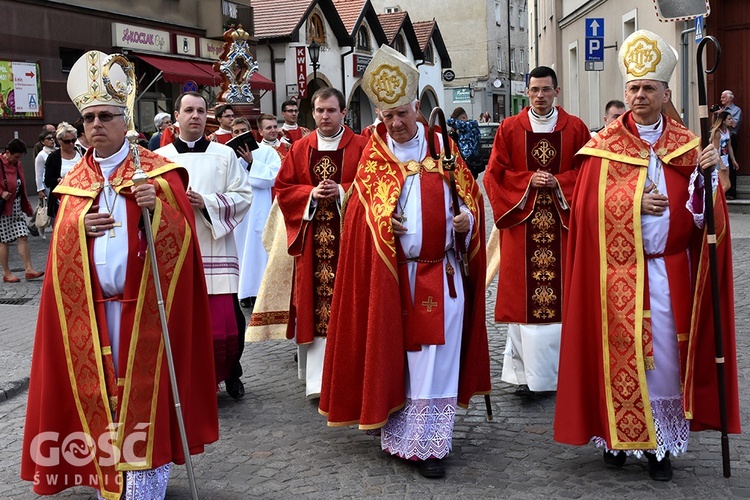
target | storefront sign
x=20, y=90
x=137, y=37
x=211, y=49
x=301, y=61
x=360, y=64
x=462, y=95
x=185, y=45
x=292, y=90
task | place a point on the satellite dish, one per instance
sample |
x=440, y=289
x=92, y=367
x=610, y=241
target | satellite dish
x=498, y=83
x=681, y=10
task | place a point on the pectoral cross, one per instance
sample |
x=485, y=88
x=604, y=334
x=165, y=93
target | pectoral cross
x=112, y=231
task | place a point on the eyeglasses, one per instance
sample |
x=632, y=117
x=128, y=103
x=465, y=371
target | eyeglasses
x=49, y=138
x=104, y=116
x=227, y=116
x=68, y=141
x=543, y=90
x=291, y=111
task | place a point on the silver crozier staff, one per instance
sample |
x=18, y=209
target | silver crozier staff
x=140, y=177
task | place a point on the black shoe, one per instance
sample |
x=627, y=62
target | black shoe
x=235, y=388
x=247, y=302
x=33, y=230
x=432, y=468
x=659, y=470
x=524, y=391
x=614, y=459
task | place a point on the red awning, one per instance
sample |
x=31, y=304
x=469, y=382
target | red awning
x=179, y=70
x=258, y=81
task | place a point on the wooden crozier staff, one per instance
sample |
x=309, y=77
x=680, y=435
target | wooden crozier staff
x=140, y=177
x=449, y=165
x=711, y=237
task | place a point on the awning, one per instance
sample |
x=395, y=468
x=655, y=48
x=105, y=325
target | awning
x=258, y=81
x=180, y=70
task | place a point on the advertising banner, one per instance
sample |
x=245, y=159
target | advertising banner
x=20, y=90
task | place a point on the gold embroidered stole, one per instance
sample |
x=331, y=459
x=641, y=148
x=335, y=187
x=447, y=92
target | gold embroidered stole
x=326, y=234
x=378, y=183
x=544, y=234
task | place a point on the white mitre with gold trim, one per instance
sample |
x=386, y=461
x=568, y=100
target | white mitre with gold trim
x=85, y=85
x=390, y=80
x=646, y=56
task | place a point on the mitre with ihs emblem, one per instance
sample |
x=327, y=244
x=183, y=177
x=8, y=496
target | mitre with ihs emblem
x=646, y=56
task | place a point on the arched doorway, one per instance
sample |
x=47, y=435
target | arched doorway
x=360, y=114
x=305, y=117
x=428, y=101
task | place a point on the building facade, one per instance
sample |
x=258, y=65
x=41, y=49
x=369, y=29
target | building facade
x=488, y=43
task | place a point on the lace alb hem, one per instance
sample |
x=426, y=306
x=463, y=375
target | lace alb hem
x=672, y=429
x=148, y=484
x=422, y=429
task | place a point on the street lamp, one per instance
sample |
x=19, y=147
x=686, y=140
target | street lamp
x=314, y=50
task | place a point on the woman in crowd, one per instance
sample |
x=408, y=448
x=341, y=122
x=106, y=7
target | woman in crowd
x=47, y=139
x=15, y=202
x=61, y=161
x=721, y=139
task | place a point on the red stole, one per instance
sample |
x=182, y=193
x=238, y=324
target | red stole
x=424, y=317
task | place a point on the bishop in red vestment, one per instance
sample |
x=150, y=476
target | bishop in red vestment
x=637, y=367
x=100, y=403
x=310, y=186
x=407, y=336
x=529, y=181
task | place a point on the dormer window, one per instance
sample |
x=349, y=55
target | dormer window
x=363, y=39
x=399, y=44
x=316, y=29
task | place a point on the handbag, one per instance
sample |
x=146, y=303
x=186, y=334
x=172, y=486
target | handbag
x=41, y=219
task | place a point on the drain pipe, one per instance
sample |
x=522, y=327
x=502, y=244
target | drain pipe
x=343, y=69
x=685, y=80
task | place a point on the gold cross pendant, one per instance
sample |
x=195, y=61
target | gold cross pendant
x=112, y=231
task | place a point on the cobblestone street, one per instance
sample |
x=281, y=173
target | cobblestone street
x=274, y=444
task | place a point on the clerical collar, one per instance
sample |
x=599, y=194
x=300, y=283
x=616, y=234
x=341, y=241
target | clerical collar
x=413, y=149
x=222, y=131
x=286, y=126
x=199, y=146
x=331, y=138
x=545, y=117
x=651, y=133
x=274, y=143
x=542, y=124
x=109, y=163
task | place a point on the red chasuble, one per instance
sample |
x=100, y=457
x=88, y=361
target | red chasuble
x=364, y=368
x=533, y=221
x=606, y=332
x=73, y=389
x=315, y=243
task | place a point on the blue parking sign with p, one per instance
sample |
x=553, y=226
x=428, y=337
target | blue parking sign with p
x=595, y=49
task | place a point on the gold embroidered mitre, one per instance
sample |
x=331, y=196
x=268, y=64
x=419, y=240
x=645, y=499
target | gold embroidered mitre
x=646, y=56
x=390, y=80
x=85, y=84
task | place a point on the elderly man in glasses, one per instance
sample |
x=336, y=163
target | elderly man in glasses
x=98, y=374
x=530, y=180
